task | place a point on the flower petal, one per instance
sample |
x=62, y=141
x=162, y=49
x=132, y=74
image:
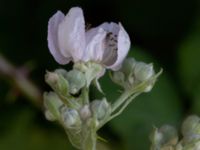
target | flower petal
x=110, y=27
x=123, y=48
x=52, y=37
x=95, y=38
x=71, y=34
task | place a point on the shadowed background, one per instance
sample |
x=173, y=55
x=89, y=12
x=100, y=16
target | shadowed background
x=166, y=33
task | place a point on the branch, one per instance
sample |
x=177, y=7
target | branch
x=20, y=80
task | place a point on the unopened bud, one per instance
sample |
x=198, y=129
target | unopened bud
x=100, y=108
x=62, y=72
x=76, y=81
x=52, y=103
x=164, y=138
x=51, y=78
x=85, y=112
x=118, y=77
x=143, y=71
x=70, y=117
x=57, y=82
x=191, y=128
x=128, y=66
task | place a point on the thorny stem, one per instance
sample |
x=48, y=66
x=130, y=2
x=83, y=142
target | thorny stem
x=21, y=81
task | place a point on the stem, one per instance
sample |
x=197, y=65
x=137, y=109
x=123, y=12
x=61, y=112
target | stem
x=128, y=101
x=90, y=146
x=21, y=81
x=121, y=100
x=89, y=136
x=85, y=95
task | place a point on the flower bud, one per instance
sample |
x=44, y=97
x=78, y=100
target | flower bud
x=85, y=112
x=57, y=82
x=49, y=116
x=143, y=71
x=164, y=138
x=70, y=117
x=52, y=103
x=128, y=66
x=62, y=72
x=133, y=73
x=76, y=80
x=191, y=128
x=100, y=108
x=118, y=77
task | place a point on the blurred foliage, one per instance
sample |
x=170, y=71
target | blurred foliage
x=164, y=32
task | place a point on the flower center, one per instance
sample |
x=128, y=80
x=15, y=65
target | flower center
x=110, y=54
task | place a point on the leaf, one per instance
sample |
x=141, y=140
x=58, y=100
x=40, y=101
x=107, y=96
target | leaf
x=188, y=60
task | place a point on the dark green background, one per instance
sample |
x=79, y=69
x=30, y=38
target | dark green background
x=166, y=33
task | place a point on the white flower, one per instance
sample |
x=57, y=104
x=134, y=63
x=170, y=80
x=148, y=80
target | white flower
x=107, y=44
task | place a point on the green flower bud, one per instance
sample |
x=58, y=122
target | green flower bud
x=70, y=118
x=128, y=66
x=52, y=104
x=85, y=112
x=164, y=138
x=118, y=77
x=143, y=71
x=100, y=108
x=76, y=80
x=124, y=77
x=135, y=74
x=191, y=128
x=57, y=82
x=170, y=135
x=62, y=72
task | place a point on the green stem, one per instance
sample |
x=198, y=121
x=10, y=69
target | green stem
x=120, y=100
x=85, y=95
x=128, y=101
x=89, y=136
x=90, y=146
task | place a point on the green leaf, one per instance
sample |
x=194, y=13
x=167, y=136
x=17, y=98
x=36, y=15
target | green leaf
x=188, y=60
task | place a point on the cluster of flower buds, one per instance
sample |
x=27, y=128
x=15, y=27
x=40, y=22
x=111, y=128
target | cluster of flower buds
x=166, y=138
x=69, y=104
x=92, y=52
x=135, y=75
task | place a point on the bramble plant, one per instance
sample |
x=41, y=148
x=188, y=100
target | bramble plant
x=93, y=52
